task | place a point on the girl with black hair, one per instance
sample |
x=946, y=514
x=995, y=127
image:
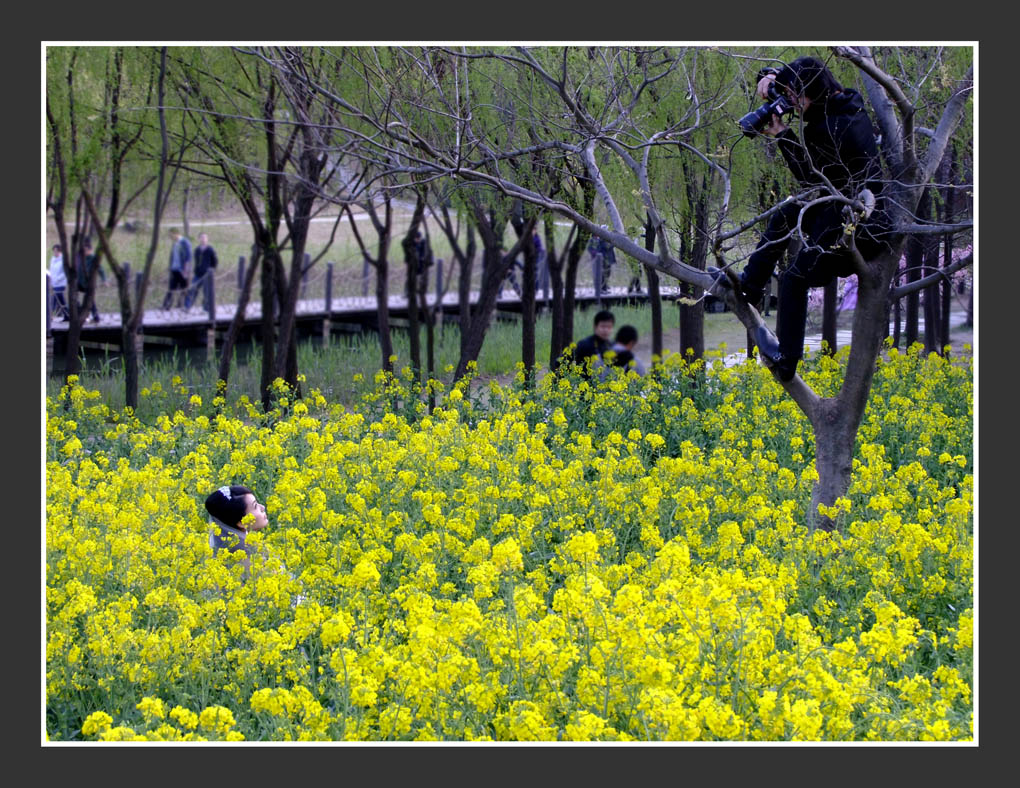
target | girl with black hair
x=237, y=512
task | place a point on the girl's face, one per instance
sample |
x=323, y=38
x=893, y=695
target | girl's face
x=257, y=510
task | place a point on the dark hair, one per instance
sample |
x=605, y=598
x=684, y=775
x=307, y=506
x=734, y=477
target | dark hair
x=626, y=335
x=602, y=316
x=228, y=507
x=810, y=77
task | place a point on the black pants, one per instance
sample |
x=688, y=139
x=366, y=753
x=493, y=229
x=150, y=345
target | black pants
x=822, y=258
x=179, y=283
x=84, y=298
x=197, y=285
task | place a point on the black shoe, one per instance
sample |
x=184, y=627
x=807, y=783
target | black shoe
x=752, y=294
x=720, y=282
x=768, y=347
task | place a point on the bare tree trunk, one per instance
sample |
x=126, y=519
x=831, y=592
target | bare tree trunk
x=898, y=320
x=835, y=420
x=570, y=285
x=654, y=295
x=381, y=265
x=382, y=303
x=414, y=270
x=932, y=319
x=829, y=317
x=947, y=212
x=528, y=309
x=268, y=329
x=525, y=233
x=554, y=258
x=490, y=222
x=234, y=330
x=915, y=262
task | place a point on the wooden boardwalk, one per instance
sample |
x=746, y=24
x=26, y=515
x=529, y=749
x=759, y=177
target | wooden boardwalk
x=349, y=313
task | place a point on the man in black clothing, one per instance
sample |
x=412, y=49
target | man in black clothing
x=839, y=149
x=205, y=265
x=87, y=262
x=597, y=343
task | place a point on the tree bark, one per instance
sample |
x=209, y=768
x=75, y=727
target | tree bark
x=268, y=328
x=234, y=330
x=654, y=294
x=414, y=270
x=915, y=263
x=554, y=260
x=829, y=317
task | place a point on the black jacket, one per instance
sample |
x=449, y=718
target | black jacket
x=205, y=260
x=589, y=346
x=839, y=140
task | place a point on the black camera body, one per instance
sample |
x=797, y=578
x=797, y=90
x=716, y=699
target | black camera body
x=753, y=122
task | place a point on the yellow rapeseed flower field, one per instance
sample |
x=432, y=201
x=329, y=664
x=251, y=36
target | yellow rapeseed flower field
x=615, y=562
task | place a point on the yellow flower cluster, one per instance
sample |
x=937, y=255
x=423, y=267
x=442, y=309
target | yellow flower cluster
x=617, y=562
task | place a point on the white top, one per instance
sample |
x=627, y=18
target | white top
x=57, y=278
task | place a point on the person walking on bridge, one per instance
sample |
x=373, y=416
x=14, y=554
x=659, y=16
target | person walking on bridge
x=180, y=256
x=205, y=265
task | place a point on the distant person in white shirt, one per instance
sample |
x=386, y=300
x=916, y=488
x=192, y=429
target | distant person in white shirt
x=58, y=283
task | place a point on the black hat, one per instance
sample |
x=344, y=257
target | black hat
x=227, y=504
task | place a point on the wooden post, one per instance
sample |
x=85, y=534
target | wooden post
x=364, y=278
x=240, y=272
x=326, y=323
x=597, y=271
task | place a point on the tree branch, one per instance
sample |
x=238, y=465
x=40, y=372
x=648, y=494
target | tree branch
x=943, y=273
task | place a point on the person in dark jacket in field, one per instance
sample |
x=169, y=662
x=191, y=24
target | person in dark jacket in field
x=596, y=344
x=839, y=149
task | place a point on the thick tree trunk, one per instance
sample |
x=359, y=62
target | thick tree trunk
x=835, y=420
x=495, y=266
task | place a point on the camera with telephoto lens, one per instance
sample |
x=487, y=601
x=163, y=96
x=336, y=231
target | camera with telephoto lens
x=753, y=122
